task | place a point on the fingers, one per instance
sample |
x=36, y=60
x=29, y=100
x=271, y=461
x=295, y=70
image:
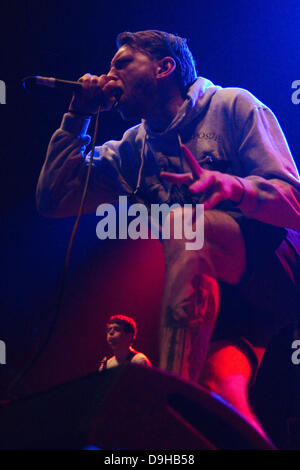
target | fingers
x=207, y=180
x=208, y=186
x=204, y=182
x=94, y=93
x=91, y=81
x=212, y=186
x=211, y=202
x=192, y=162
x=103, y=84
x=183, y=178
x=92, y=85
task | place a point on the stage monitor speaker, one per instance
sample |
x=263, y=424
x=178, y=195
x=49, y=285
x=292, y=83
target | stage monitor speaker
x=129, y=407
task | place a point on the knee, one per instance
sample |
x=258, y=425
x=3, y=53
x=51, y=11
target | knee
x=226, y=366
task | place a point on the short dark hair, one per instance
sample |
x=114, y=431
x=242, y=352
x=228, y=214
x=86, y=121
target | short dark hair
x=127, y=323
x=159, y=44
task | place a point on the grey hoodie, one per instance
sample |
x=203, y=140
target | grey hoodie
x=227, y=129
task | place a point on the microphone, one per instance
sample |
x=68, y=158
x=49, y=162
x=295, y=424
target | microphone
x=30, y=83
x=35, y=82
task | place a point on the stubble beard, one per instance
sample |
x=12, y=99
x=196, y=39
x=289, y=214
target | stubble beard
x=140, y=102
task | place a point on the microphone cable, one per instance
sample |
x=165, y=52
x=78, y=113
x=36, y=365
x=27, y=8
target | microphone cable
x=62, y=284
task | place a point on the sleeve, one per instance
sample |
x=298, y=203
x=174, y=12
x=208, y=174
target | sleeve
x=62, y=177
x=271, y=181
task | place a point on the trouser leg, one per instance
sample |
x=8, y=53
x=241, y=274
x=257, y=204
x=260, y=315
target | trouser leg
x=191, y=295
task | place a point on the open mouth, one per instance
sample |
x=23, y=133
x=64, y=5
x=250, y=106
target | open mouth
x=111, y=341
x=117, y=93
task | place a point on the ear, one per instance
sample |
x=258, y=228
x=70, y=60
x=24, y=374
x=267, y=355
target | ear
x=130, y=337
x=166, y=67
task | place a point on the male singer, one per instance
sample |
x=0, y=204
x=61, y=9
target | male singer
x=195, y=143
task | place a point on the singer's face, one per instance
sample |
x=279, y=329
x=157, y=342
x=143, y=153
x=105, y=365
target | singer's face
x=135, y=74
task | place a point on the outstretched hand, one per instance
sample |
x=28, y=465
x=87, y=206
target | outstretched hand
x=214, y=186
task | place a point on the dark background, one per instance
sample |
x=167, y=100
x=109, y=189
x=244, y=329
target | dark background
x=253, y=45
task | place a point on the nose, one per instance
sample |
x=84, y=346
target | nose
x=112, y=74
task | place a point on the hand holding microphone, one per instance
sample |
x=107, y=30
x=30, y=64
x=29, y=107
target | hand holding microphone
x=90, y=91
x=95, y=91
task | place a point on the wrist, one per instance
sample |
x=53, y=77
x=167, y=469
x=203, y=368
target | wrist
x=238, y=191
x=80, y=113
x=75, y=124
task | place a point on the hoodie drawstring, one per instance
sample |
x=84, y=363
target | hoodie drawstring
x=138, y=184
